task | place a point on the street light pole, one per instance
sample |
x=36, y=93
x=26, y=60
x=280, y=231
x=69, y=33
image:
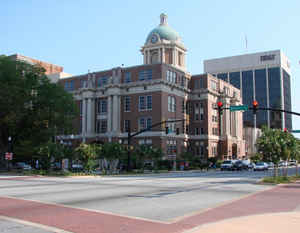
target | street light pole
x=9, y=150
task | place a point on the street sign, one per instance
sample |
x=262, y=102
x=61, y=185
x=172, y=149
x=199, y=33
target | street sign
x=8, y=156
x=296, y=131
x=238, y=108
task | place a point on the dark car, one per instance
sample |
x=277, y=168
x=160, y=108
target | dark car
x=23, y=166
x=239, y=166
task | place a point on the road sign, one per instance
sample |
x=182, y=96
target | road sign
x=296, y=131
x=8, y=156
x=238, y=108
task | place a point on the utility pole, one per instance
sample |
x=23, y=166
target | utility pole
x=128, y=146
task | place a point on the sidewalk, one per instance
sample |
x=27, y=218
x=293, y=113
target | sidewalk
x=266, y=223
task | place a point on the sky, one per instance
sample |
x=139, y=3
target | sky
x=96, y=35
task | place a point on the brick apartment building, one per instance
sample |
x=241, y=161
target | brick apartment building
x=159, y=90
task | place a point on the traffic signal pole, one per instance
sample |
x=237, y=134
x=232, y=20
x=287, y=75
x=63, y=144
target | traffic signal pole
x=254, y=108
x=142, y=131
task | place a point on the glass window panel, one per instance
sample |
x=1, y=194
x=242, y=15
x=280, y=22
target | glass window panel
x=274, y=96
x=247, y=83
x=261, y=96
x=234, y=78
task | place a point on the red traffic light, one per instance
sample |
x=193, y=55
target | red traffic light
x=220, y=104
x=255, y=103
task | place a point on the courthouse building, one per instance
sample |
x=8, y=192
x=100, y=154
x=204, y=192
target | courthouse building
x=161, y=89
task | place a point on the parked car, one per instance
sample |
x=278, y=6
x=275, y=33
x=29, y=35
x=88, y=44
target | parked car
x=283, y=164
x=23, y=166
x=239, y=165
x=292, y=163
x=271, y=165
x=227, y=165
x=77, y=167
x=261, y=166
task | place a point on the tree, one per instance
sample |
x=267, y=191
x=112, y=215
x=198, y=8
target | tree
x=46, y=153
x=111, y=154
x=32, y=108
x=275, y=145
x=156, y=156
x=87, y=154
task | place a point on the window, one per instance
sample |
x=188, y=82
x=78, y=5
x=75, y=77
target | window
x=199, y=83
x=126, y=125
x=145, y=75
x=171, y=104
x=201, y=116
x=201, y=131
x=171, y=76
x=196, y=131
x=82, y=83
x=127, y=77
x=213, y=85
x=149, y=122
x=171, y=126
x=149, y=102
x=127, y=101
x=102, y=106
x=142, y=105
x=102, y=81
x=145, y=102
x=69, y=85
x=215, y=131
x=145, y=122
x=101, y=126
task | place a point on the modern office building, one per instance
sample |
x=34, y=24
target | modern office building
x=264, y=77
x=160, y=89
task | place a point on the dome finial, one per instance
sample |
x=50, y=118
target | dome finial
x=163, y=19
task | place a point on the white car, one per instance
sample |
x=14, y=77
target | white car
x=227, y=165
x=260, y=166
x=283, y=164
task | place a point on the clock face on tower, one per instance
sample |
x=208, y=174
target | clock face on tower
x=154, y=39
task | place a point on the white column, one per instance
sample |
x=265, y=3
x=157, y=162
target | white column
x=173, y=56
x=163, y=55
x=91, y=116
x=83, y=132
x=119, y=114
x=159, y=55
x=109, y=107
x=115, y=113
x=88, y=118
x=145, y=55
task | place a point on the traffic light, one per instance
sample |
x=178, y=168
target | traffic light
x=220, y=110
x=167, y=130
x=177, y=131
x=255, y=105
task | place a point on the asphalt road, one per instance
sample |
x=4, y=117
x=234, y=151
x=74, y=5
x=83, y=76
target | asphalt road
x=163, y=197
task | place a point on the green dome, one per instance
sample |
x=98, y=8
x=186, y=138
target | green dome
x=165, y=32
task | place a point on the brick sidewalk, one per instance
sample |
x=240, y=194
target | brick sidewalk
x=283, y=198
